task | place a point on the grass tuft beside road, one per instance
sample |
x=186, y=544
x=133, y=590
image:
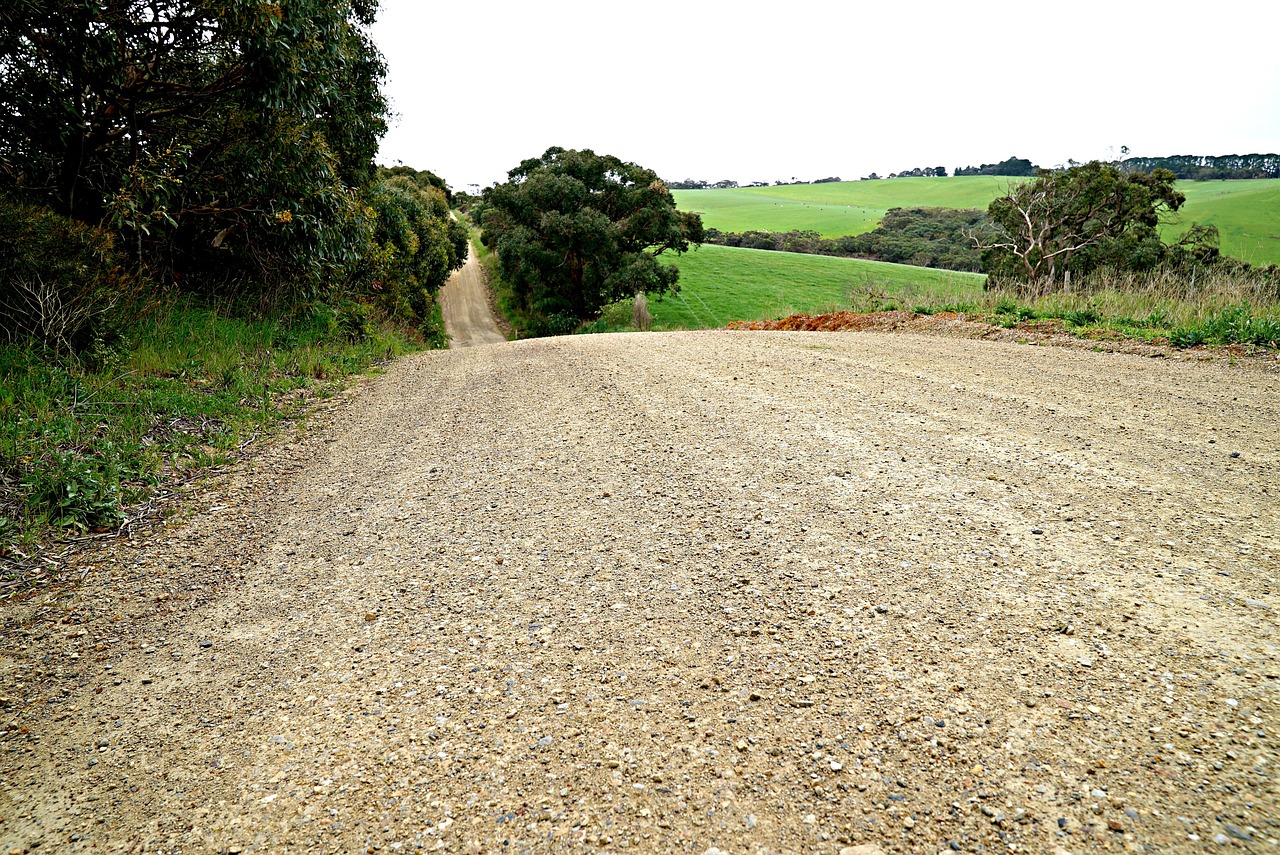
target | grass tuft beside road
x=84, y=440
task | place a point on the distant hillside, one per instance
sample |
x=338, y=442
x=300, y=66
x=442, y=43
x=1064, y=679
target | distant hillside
x=834, y=209
x=1246, y=212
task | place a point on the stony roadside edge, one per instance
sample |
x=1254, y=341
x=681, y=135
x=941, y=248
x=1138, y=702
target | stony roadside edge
x=691, y=592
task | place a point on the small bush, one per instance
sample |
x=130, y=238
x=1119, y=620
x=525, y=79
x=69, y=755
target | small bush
x=1011, y=313
x=74, y=491
x=553, y=324
x=354, y=322
x=1234, y=325
x=60, y=281
x=1082, y=317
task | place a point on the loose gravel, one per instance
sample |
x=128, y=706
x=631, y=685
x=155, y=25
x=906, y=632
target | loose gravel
x=689, y=592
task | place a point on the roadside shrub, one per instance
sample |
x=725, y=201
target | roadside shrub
x=75, y=491
x=1234, y=325
x=354, y=322
x=557, y=323
x=1082, y=317
x=61, y=281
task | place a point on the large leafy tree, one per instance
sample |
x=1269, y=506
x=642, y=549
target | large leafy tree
x=226, y=140
x=574, y=231
x=1077, y=220
x=416, y=243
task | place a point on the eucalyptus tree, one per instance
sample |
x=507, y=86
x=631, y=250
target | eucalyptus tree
x=574, y=231
x=225, y=140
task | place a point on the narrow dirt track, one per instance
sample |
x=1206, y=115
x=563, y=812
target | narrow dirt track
x=465, y=302
x=746, y=592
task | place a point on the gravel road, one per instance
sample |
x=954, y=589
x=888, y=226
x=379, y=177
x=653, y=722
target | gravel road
x=464, y=301
x=690, y=592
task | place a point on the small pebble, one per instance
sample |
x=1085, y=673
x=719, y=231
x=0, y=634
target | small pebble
x=1236, y=832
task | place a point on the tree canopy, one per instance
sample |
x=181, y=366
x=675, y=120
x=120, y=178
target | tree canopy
x=1198, y=167
x=1077, y=220
x=226, y=141
x=1013, y=166
x=574, y=231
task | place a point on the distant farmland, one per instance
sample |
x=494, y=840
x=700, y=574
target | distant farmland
x=1247, y=213
x=846, y=208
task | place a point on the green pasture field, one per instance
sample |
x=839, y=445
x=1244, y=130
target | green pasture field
x=1247, y=213
x=845, y=208
x=720, y=284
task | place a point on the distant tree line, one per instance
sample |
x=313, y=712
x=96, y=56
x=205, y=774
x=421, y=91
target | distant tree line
x=925, y=237
x=1014, y=166
x=695, y=184
x=1199, y=167
x=918, y=172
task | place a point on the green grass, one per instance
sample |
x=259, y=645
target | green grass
x=721, y=284
x=185, y=390
x=844, y=208
x=1247, y=213
x=724, y=284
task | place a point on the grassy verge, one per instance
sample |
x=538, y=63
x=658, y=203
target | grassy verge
x=186, y=389
x=724, y=284
x=1215, y=308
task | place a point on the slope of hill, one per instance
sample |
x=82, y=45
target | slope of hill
x=719, y=284
x=845, y=208
x=1247, y=213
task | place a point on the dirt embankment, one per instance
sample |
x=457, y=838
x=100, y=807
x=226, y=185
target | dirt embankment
x=746, y=592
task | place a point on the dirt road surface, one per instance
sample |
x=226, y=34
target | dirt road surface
x=465, y=302
x=690, y=592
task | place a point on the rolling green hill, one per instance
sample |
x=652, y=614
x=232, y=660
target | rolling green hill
x=845, y=208
x=719, y=284
x=1247, y=213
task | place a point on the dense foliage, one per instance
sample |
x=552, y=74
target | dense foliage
x=1197, y=167
x=416, y=243
x=175, y=159
x=58, y=278
x=229, y=144
x=574, y=231
x=1074, y=221
x=924, y=237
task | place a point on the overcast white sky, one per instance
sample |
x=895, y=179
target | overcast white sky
x=716, y=90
